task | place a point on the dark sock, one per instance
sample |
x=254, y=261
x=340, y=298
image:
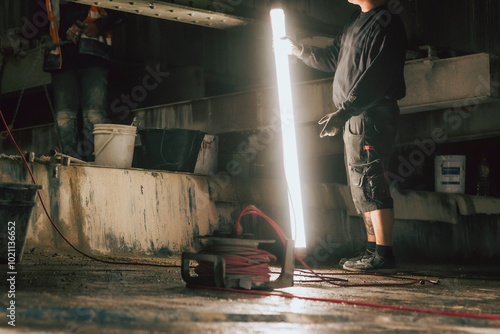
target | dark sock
x=384, y=251
x=370, y=246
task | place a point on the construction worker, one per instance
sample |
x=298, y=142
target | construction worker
x=367, y=59
x=79, y=64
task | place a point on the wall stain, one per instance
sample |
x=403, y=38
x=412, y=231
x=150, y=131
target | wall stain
x=75, y=200
x=160, y=251
x=54, y=194
x=192, y=204
x=119, y=245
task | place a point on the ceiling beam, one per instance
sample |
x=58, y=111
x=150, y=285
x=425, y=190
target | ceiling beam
x=170, y=11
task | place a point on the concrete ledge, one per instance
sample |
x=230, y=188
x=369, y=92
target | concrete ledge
x=107, y=210
x=408, y=205
x=432, y=84
x=450, y=83
x=441, y=207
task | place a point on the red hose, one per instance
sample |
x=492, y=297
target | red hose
x=357, y=303
x=239, y=261
x=252, y=210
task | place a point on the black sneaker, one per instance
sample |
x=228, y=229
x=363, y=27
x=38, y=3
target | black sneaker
x=376, y=264
x=363, y=256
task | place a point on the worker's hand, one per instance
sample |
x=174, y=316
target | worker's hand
x=333, y=123
x=293, y=47
x=92, y=29
x=73, y=33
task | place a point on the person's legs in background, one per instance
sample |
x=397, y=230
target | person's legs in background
x=94, y=106
x=66, y=103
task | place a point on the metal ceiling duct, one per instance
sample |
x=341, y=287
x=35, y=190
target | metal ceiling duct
x=173, y=12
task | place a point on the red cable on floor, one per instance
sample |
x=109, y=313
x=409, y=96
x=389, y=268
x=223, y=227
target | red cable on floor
x=348, y=302
x=239, y=261
x=252, y=210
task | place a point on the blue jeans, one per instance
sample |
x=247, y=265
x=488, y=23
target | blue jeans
x=74, y=89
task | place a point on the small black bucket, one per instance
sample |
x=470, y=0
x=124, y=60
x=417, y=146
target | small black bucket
x=16, y=203
x=171, y=149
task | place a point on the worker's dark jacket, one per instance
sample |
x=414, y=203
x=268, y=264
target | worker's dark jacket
x=367, y=57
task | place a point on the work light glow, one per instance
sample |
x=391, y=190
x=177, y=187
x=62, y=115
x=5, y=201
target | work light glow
x=290, y=156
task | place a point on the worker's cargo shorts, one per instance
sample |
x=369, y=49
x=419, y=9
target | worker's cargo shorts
x=369, y=140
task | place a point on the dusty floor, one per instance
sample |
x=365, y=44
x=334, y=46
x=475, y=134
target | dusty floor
x=71, y=294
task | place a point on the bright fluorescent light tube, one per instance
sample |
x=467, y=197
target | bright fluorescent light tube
x=290, y=156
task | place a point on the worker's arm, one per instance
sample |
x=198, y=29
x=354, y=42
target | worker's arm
x=323, y=59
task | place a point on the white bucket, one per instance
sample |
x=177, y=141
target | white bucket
x=450, y=173
x=114, y=144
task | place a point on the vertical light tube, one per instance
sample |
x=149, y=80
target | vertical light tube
x=290, y=156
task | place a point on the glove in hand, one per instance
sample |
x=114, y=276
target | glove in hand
x=294, y=48
x=333, y=123
x=73, y=33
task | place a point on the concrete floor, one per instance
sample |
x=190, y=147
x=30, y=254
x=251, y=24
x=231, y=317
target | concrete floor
x=71, y=294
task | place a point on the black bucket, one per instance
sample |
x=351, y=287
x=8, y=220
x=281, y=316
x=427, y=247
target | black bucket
x=16, y=203
x=171, y=149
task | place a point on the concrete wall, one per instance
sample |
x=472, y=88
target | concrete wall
x=130, y=212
